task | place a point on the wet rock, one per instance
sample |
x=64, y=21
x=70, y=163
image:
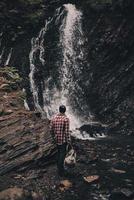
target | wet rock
x=4, y=87
x=19, y=176
x=15, y=193
x=5, y=112
x=85, y=160
x=91, y=179
x=127, y=192
x=120, y=196
x=118, y=171
x=36, y=114
x=25, y=141
x=65, y=185
x=93, y=129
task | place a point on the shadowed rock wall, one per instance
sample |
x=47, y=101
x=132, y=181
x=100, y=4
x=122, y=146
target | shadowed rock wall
x=109, y=28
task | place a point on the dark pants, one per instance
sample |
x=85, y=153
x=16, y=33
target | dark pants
x=60, y=157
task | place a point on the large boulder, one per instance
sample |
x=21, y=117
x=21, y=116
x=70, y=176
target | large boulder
x=15, y=193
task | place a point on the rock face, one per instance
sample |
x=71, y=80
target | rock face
x=110, y=90
x=24, y=136
x=120, y=196
x=108, y=26
x=104, y=168
x=93, y=129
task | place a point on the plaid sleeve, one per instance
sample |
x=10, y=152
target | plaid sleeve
x=67, y=130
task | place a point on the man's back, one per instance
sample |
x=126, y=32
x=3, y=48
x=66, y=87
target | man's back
x=60, y=127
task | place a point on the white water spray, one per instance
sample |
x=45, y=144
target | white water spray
x=8, y=57
x=70, y=67
x=37, y=44
x=53, y=97
x=70, y=45
x=1, y=55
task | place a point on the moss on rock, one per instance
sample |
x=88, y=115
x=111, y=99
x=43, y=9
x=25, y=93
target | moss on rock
x=12, y=80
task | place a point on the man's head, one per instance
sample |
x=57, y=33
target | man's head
x=62, y=109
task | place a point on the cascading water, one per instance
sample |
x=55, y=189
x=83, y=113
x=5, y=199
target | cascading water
x=1, y=55
x=71, y=45
x=8, y=57
x=5, y=53
x=2, y=49
x=72, y=41
x=38, y=85
x=37, y=50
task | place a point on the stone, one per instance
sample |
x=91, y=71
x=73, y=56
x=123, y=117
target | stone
x=4, y=86
x=118, y=196
x=127, y=192
x=91, y=179
x=65, y=185
x=119, y=171
x=15, y=193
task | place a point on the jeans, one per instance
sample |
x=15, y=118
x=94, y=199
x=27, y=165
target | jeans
x=61, y=157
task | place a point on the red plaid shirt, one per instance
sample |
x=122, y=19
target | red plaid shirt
x=59, y=127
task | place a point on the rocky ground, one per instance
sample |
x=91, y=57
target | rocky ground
x=113, y=164
x=27, y=157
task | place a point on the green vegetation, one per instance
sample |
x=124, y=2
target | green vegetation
x=12, y=79
x=3, y=112
x=22, y=95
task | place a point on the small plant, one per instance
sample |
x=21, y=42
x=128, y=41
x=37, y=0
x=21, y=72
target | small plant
x=3, y=112
x=12, y=76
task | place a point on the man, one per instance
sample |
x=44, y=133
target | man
x=59, y=128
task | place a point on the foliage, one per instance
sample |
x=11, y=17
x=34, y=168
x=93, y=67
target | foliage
x=13, y=80
x=3, y=112
x=22, y=95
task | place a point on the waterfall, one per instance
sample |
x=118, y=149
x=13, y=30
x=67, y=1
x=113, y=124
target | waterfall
x=8, y=57
x=2, y=48
x=35, y=43
x=1, y=55
x=5, y=54
x=67, y=86
x=37, y=47
x=26, y=105
x=71, y=40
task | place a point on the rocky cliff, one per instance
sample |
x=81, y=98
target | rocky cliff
x=25, y=141
x=108, y=26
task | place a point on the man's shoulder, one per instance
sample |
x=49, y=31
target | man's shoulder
x=55, y=117
x=60, y=117
x=66, y=118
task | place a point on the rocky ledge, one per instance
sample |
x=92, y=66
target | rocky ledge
x=24, y=136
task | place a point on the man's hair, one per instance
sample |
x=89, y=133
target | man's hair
x=62, y=109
